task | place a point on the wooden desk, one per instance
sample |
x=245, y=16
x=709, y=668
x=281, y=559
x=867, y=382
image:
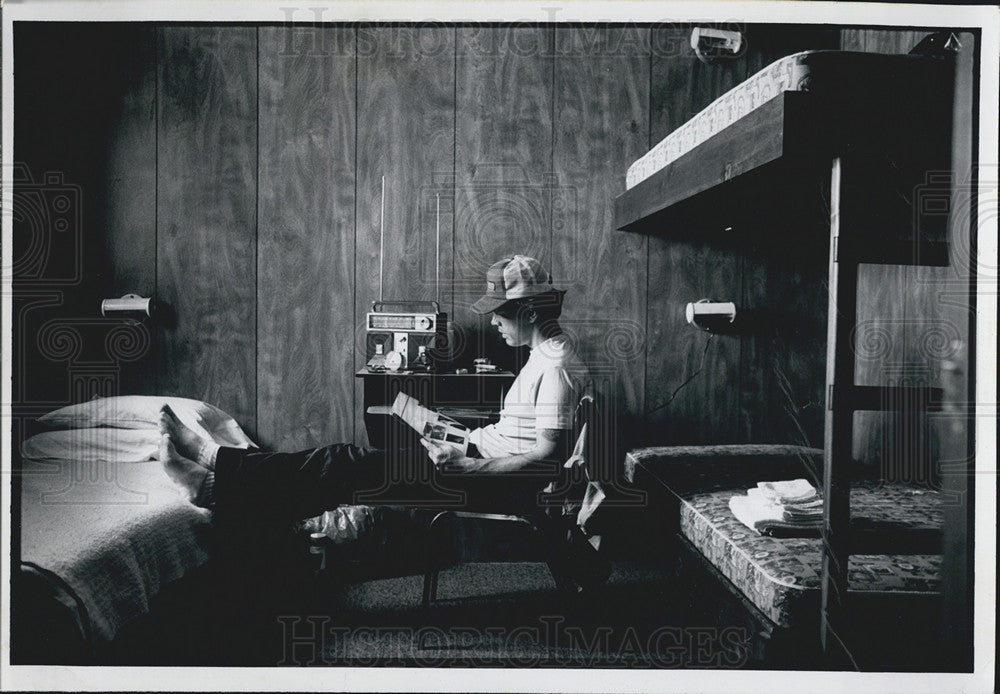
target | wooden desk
x=473, y=399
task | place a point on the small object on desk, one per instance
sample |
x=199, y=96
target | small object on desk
x=377, y=363
x=461, y=372
x=484, y=365
x=394, y=361
x=421, y=363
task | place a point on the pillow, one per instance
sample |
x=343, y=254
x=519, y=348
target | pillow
x=143, y=412
x=92, y=445
x=98, y=444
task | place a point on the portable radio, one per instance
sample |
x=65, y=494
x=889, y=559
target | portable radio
x=406, y=335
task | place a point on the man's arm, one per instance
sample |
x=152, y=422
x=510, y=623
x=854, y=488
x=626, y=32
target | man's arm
x=550, y=444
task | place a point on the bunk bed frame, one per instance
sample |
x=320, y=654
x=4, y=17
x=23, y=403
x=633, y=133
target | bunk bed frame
x=873, y=155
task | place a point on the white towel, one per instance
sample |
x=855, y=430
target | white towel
x=788, y=503
x=788, y=491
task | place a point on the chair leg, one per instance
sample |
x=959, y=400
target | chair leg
x=430, y=587
x=547, y=534
x=562, y=580
x=434, y=562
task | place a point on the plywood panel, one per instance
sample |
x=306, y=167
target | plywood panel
x=891, y=40
x=601, y=126
x=130, y=221
x=504, y=185
x=305, y=342
x=406, y=132
x=766, y=43
x=682, y=85
x=83, y=206
x=880, y=40
x=681, y=271
x=921, y=338
x=206, y=242
x=852, y=40
x=784, y=345
x=881, y=358
x=692, y=382
x=883, y=293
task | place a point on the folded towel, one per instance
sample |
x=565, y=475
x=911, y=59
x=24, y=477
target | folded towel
x=787, y=506
x=788, y=491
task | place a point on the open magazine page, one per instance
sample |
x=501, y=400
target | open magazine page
x=431, y=425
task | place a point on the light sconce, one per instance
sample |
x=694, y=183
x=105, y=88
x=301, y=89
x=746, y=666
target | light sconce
x=711, y=44
x=130, y=307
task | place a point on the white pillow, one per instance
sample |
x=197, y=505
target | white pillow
x=92, y=445
x=143, y=412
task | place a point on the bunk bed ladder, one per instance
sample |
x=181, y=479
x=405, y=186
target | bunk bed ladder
x=843, y=399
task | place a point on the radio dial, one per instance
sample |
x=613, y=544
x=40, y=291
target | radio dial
x=423, y=323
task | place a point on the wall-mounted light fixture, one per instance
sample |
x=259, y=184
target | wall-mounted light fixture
x=713, y=316
x=711, y=44
x=129, y=307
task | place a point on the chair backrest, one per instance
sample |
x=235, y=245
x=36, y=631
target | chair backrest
x=583, y=455
x=602, y=444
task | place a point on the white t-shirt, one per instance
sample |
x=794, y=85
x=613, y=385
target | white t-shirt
x=543, y=396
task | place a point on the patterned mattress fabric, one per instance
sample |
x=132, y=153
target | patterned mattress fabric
x=781, y=576
x=836, y=71
x=722, y=466
x=113, y=533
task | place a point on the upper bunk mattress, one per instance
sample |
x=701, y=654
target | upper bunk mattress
x=846, y=73
x=781, y=576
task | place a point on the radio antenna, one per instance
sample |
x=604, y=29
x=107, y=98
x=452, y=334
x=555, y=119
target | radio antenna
x=437, y=251
x=381, y=241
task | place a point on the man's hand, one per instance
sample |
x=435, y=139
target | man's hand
x=445, y=457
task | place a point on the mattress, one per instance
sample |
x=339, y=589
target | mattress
x=781, y=576
x=843, y=74
x=109, y=534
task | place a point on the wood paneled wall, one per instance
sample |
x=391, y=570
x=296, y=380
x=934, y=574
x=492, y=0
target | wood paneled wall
x=240, y=185
x=206, y=215
x=306, y=207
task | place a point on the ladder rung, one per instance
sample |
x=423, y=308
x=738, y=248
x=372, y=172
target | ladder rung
x=892, y=252
x=886, y=398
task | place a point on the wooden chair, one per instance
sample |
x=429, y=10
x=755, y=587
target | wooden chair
x=553, y=524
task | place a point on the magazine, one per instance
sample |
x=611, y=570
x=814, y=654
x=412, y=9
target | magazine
x=431, y=425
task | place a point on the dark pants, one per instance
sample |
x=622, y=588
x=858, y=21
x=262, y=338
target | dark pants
x=298, y=485
x=257, y=495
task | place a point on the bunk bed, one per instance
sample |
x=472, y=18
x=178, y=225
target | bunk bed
x=864, y=129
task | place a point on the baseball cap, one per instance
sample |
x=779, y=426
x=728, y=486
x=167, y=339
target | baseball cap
x=512, y=278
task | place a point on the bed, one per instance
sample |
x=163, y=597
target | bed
x=776, y=579
x=840, y=75
x=102, y=528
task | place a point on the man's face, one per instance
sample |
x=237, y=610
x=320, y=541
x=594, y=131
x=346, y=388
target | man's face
x=515, y=329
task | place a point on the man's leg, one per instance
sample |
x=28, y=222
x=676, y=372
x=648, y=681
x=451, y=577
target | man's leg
x=278, y=485
x=295, y=485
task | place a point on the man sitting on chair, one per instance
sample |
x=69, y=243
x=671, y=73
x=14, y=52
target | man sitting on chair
x=525, y=446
